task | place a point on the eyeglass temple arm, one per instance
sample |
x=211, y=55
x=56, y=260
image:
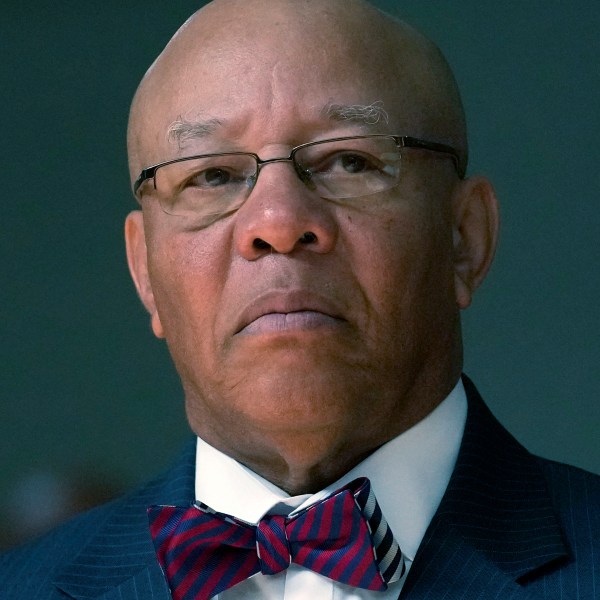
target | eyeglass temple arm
x=412, y=142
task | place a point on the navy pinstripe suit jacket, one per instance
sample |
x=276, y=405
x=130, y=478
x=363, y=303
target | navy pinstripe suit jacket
x=510, y=526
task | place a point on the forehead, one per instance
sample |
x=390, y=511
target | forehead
x=262, y=84
x=275, y=84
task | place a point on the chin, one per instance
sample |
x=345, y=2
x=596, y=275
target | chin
x=297, y=402
x=281, y=400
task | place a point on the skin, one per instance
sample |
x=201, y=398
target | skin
x=371, y=342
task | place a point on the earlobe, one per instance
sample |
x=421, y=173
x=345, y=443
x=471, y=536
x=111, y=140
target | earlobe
x=157, y=327
x=137, y=259
x=475, y=235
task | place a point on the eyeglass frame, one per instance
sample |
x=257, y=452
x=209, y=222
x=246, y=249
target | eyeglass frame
x=401, y=141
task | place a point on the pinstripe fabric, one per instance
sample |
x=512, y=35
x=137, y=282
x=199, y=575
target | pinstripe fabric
x=499, y=533
x=105, y=554
x=510, y=527
x=203, y=552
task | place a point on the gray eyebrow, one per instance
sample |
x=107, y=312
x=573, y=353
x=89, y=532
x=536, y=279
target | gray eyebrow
x=369, y=114
x=183, y=130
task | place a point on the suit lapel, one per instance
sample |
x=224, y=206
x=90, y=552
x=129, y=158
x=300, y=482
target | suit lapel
x=452, y=568
x=119, y=561
x=495, y=526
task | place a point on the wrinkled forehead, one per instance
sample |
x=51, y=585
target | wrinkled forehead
x=295, y=79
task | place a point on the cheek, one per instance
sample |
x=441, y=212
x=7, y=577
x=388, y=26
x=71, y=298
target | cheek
x=401, y=257
x=188, y=271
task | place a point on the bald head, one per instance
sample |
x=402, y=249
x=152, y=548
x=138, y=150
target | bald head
x=230, y=47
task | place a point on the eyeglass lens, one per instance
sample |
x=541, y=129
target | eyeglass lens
x=210, y=187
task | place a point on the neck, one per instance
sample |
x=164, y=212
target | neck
x=304, y=462
x=307, y=447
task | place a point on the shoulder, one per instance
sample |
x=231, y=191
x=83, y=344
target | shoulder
x=110, y=538
x=575, y=497
x=33, y=565
x=575, y=494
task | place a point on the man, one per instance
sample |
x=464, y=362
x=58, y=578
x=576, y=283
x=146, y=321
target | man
x=306, y=242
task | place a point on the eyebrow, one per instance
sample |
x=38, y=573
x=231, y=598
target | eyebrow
x=182, y=130
x=368, y=114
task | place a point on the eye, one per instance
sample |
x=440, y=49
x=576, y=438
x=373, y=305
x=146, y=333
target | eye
x=223, y=173
x=346, y=162
x=210, y=178
x=353, y=163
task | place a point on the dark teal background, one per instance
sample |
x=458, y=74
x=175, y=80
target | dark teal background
x=85, y=386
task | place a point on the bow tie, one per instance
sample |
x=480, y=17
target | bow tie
x=343, y=537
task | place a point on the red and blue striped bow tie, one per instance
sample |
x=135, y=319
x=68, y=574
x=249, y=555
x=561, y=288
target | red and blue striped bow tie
x=344, y=537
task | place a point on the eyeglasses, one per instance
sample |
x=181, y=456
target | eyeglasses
x=207, y=187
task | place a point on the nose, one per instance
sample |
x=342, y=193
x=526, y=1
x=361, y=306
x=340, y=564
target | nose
x=282, y=215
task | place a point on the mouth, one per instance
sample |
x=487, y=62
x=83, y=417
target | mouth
x=288, y=312
x=301, y=320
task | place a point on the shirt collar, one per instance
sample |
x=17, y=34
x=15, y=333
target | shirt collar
x=409, y=475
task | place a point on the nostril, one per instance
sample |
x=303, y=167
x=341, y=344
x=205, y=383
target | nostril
x=308, y=237
x=279, y=245
x=260, y=244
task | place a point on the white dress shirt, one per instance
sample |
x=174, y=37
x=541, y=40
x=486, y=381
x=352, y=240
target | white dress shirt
x=409, y=476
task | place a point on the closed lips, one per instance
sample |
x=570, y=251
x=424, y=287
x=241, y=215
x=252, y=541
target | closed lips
x=281, y=310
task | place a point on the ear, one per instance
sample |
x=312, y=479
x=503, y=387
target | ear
x=475, y=234
x=137, y=259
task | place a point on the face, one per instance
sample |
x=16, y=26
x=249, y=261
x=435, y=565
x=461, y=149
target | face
x=326, y=340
